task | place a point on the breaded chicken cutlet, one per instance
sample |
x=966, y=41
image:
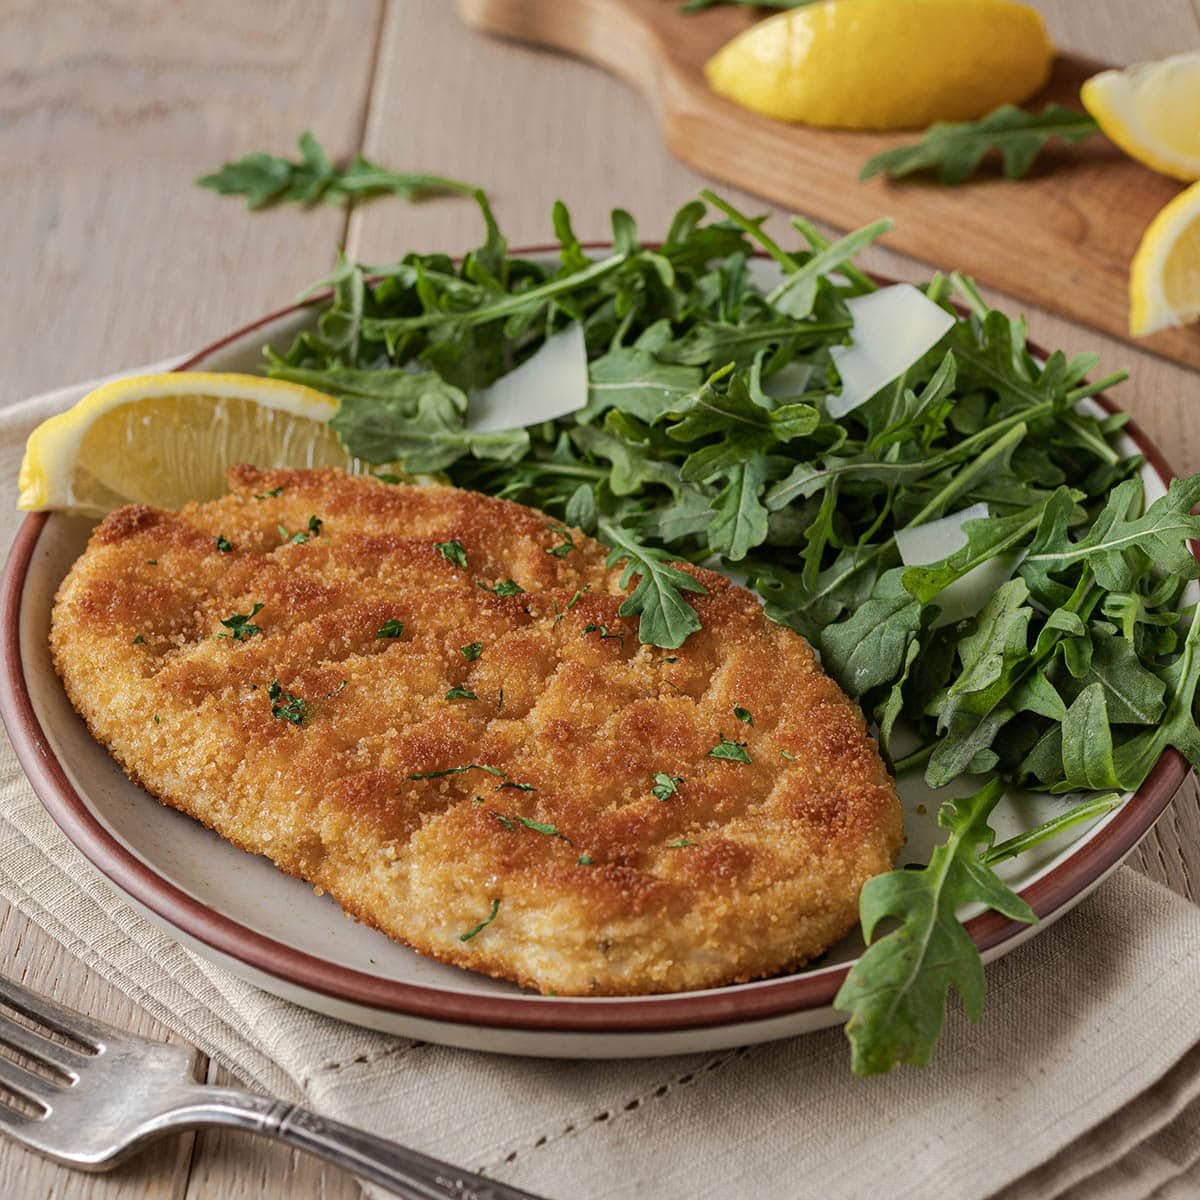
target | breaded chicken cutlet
x=423, y=701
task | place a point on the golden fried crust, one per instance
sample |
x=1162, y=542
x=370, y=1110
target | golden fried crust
x=748, y=870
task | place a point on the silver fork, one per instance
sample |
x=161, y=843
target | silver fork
x=93, y=1102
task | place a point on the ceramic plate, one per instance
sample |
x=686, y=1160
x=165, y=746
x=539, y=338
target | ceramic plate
x=272, y=930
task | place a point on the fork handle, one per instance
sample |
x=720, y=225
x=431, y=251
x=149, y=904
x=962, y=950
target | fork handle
x=408, y=1173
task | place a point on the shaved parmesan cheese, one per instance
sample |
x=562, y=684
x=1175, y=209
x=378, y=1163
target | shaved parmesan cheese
x=966, y=596
x=893, y=328
x=939, y=539
x=552, y=383
x=936, y=540
x=787, y=381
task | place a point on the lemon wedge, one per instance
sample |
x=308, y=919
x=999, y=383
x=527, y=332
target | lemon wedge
x=886, y=64
x=1164, y=281
x=1152, y=111
x=167, y=439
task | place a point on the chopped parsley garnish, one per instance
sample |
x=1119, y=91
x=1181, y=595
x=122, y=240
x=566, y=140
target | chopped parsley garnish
x=678, y=844
x=517, y=787
x=268, y=495
x=152, y=562
x=461, y=693
x=391, y=628
x=386, y=477
x=458, y=771
x=668, y=658
x=604, y=634
x=452, y=552
x=156, y=719
x=506, y=587
x=502, y=819
x=286, y=706
x=500, y=701
x=666, y=786
x=789, y=757
x=239, y=625
x=585, y=860
x=743, y=715
x=733, y=751
x=224, y=544
x=541, y=827
x=137, y=641
x=314, y=528
x=341, y=687
x=578, y=595
x=471, y=651
x=466, y=937
x=565, y=546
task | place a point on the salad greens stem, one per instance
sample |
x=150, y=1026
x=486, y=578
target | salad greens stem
x=977, y=469
x=1085, y=810
x=753, y=229
x=910, y=762
x=500, y=308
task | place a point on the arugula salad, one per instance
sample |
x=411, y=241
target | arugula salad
x=900, y=480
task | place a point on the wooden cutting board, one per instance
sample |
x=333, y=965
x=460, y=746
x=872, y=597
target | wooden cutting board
x=1062, y=238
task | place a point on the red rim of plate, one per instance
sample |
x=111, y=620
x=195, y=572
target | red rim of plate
x=639, y=1014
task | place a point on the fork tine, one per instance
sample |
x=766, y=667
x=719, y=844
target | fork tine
x=11, y=1122
x=25, y=1083
x=53, y=1054
x=54, y=1016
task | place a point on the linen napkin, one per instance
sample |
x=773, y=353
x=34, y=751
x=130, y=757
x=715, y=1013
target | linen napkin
x=1082, y=1080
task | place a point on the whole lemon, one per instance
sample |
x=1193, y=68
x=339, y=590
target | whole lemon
x=886, y=64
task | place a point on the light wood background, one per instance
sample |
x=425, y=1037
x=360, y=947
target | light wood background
x=109, y=257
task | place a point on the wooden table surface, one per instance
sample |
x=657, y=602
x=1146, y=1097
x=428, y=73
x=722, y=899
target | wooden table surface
x=111, y=258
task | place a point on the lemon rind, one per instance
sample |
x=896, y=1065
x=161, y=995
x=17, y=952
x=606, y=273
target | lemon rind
x=1149, y=308
x=44, y=480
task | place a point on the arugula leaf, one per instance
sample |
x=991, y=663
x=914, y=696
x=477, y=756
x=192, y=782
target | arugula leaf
x=739, y=517
x=633, y=380
x=1133, y=694
x=987, y=538
x=797, y=293
x=896, y=992
x=420, y=424
x=956, y=149
x=1119, y=545
x=869, y=647
x=265, y=179
x=666, y=618
x=976, y=705
x=1134, y=759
